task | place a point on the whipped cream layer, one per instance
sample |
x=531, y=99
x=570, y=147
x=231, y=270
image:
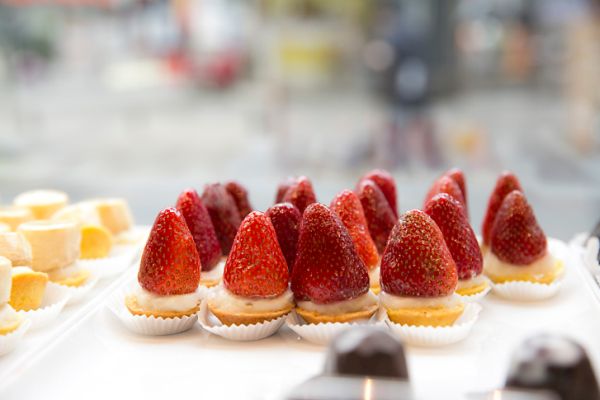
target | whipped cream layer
x=471, y=282
x=341, y=307
x=538, y=269
x=224, y=300
x=8, y=315
x=176, y=303
x=374, y=276
x=399, y=302
x=214, y=274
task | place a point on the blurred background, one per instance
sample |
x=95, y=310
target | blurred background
x=142, y=98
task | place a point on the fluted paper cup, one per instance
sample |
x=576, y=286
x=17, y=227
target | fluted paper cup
x=473, y=298
x=78, y=293
x=119, y=260
x=11, y=340
x=55, y=298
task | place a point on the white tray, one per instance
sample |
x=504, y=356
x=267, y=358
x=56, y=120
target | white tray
x=95, y=357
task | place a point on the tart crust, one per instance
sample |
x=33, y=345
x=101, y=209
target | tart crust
x=228, y=319
x=5, y=330
x=28, y=290
x=313, y=317
x=440, y=316
x=546, y=278
x=469, y=291
x=209, y=282
x=75, y=280
x=134, y=308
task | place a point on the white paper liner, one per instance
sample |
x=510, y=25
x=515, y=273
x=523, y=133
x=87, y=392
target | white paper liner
x=473, y=298
x=78, y=293
x=323, y=333
x=54, y=300
x=590, y=255
x=579, y=240
x=10, y=341
x=435, y=336
x=120, y=259
x=242, y=333
x=143, y=325
x=526, y=291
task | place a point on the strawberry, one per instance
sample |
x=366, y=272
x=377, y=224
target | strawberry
x=286, y=219
x=386, y=184
x=198, y=221
x=300, y=194
x=416, y=261
x=348, y=208
x=445, y=184
x=283, y=187
x=327, y=268
x=459, y=177
x=450, y=217
x=516, y=236
x=380, y=216
x=170, y=263
x=506, y=183
x=255, y=267
x=240, y=196
x=223, y=213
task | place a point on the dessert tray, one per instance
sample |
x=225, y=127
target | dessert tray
x=90, y=353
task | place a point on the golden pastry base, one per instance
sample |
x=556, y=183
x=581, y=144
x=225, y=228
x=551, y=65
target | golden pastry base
x=13, y=326
x=524, y=276
x=209, y=282
x=375, y=289
x=469, y=291
x=28, y=290
x=426, y=316
x=247, y=318
x=135, y=309
x=75, y=280
x=313, y=317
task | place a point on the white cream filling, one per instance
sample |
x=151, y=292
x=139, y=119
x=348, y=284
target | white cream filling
x=538, y=269
x=63, y=273
x=341, y=307
x=175, y=303
x=16, y=271
x=469, y=283
x=374, y=276
x=8, y=315
x=399, y=302
x=222, y=299
x=214, y=274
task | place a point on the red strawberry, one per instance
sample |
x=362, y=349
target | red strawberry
x=300, y=194
x=255, y=267
x=170, y=264
x=327, y=268
x=445, y=184
x=516, y=236
x=348, y=208
x=417, y=261
x=223, y=214
x=198, y=221
x=283, y=187
x=240, y=196
x=450, y=217
x=506, y=183
x=459, y=177
x=286, y=219
x=380, y=216
x=386, y=184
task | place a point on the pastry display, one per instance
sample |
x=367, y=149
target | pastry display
x=450, y=217
x=329, y=280
x=15, y=247
x=42, y=203
x=9, y=319
x=96, y=242
x=223, y=212
x=255, y=281
x=555, y=364
x=348, y=208
x=28, y=288
x=84, y=212
x=366, y=351
x=300, y=193
x=286, y=220
x=506, y=183
x=378, y=212
x=15, y=216
x=114, y=215
x=518, y=247
x=240, y=196
x=55, y=248
x=386, y=184
x=198, y=221
x=169, y=272
x=418, y=274
x=446, y=184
